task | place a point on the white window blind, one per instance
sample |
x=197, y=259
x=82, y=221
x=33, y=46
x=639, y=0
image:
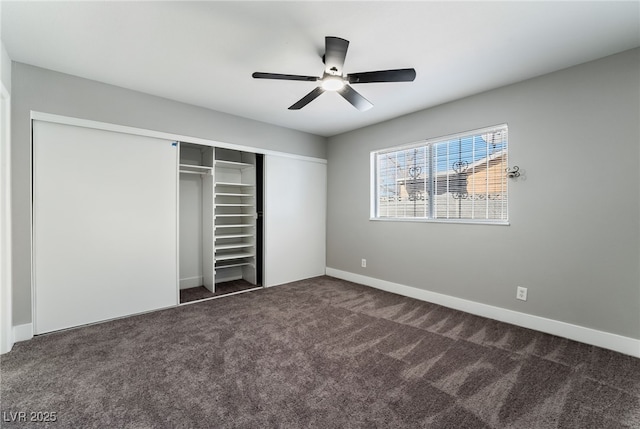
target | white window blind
x=461, y=177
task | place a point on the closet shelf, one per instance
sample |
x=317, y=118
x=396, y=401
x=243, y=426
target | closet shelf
x=233, y=184
x=234, y=205
x=234, y=215
x=237, y=225
x=233, y=264
x=232, y=164
x=195, y=167
x=200, y=173
x=230, y=256
x=232, y=194
x=233, y=246
x=227, y=236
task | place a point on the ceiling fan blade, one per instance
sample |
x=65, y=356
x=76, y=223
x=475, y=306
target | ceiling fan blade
x=334, y=54
x=307, y=99
x=354, y=97
x=399, y=75
x=261, y=75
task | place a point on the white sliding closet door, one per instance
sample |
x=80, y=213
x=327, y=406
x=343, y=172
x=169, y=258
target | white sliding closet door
x=104, y=225
x=295, y=206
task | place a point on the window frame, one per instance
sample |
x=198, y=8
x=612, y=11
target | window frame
x=373, y=180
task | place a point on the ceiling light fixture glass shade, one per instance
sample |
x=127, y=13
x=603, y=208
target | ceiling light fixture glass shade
x=332, y=83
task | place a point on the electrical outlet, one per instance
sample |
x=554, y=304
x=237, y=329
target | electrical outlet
x=363, y=264
x=521, y=293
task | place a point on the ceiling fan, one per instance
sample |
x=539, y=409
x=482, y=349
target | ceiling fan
x=333, y=78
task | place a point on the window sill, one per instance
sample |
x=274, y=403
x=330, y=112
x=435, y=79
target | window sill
x=450, y=221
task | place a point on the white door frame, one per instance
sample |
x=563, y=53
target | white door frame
x=6, y=322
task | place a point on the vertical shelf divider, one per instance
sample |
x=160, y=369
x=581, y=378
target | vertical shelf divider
x=208, y=225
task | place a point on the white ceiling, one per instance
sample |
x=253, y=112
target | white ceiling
x=203, y=53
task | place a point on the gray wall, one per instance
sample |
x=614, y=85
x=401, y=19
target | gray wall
x=46, y=91
x=574, y=238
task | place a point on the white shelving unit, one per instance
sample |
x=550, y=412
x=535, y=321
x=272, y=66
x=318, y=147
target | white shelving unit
x=235, y=215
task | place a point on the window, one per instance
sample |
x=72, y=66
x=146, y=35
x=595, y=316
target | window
x=455, y=178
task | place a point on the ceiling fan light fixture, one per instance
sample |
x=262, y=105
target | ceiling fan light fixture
x=332, y=83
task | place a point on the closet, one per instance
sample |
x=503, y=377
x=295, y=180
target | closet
x=218, y=216
x=126, y=220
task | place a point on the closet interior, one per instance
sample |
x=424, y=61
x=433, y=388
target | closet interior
x=219, y=251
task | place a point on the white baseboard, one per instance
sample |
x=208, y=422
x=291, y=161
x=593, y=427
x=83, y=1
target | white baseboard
x=7, y=345
x=190, y=282
x=22, y=332
x=618, y=343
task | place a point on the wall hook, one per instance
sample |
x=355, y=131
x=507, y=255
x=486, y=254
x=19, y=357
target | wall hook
x=513, y=171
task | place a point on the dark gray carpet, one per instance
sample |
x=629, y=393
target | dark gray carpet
x=224, y=288
x=319, y=353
